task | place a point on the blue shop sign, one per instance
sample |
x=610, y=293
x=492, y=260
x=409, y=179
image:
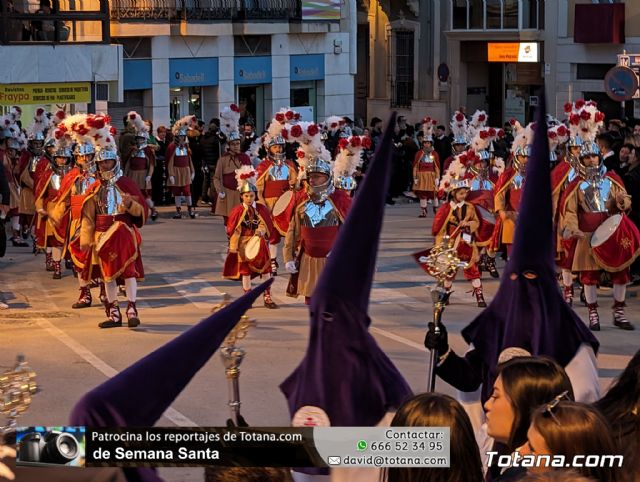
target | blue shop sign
x=307, y=67
x=196, y=72
x=252, y=70
x=137, y=74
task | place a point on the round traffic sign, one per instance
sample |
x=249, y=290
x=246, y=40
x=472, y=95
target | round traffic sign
x=621, y=83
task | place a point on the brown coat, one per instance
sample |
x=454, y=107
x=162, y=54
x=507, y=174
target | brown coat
x=227, y=164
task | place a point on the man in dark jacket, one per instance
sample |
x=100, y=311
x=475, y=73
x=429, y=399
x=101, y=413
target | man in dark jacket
x=210, y=144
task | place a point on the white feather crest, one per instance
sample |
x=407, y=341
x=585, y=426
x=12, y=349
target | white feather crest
x=39, y=124
x=498, y=165
x=349, y=159
x=184, y=123
x=456, y=171
x=459, y=124
x=229, y=120
x=333, y=123
x=523, y=138
x=244, y=175
x=135, y=120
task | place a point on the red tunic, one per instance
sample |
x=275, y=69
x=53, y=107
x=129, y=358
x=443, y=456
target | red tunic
x=235, y=265
x=118, y=250
x=49, y=235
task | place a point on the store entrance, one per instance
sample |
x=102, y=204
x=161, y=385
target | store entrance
x=251, y=103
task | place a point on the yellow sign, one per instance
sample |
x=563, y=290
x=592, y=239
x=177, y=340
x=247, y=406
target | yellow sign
x=512, y=52
x=67, y=93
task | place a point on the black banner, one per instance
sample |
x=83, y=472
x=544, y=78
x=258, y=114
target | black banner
x=198, y=446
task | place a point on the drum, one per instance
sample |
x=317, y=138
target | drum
x=616, y=243
x=283, y=211
x=282, y=203
x=252, y=248
x=487, y=225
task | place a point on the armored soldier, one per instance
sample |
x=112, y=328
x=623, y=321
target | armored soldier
x=140, y=160
x=508, y=192
x=426, y=170
x=276, y=176
x=481, y=190
x=112, y=214
x=28, y=165
x=76, y=186
x=51, y=231
x=313, y=228
x=591, y=200
x=15, y=142
x=180, y=166
x=562, y=175
x=224, y=178
x=459, y=220
x=459, y=128
x=249, y=229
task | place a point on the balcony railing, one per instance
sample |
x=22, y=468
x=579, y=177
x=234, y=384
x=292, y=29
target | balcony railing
x=55, y=24
x=229, y=10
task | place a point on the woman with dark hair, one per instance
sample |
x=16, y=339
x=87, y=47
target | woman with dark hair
x=572, y=429
x=621, y=407
x=438, y=410
x=522, y=385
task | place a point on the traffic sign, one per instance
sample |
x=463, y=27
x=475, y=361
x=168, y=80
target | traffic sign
x=621, y=83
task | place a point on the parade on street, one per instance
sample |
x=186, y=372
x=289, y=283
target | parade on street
x=302, y=228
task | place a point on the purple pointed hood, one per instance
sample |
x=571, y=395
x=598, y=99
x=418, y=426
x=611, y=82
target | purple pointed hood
x=344, y=371
x=528, y=311
x=139, y=395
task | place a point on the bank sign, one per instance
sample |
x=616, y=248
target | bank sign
x=195, y=72
x=252, y=70
x=307, y=67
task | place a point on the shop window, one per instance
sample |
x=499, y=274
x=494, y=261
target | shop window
x=592, y=71
x=402, y=83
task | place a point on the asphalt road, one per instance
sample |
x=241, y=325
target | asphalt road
x=183, y=260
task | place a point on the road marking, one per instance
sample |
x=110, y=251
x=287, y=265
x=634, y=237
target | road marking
x=398, y=338
x=107, y=370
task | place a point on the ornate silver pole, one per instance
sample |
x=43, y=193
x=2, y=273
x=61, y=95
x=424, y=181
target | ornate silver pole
x=16, y=387
x=442, y=263
x=232, y=357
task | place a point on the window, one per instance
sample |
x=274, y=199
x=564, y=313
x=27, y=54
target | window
x=497, y=14
x=248, y=45
x=592, y=71
x=402, y=83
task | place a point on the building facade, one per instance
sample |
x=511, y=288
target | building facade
x=185, y=58
x=576, y=43
x=58, y=54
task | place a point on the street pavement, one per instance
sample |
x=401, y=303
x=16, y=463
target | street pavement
x=183, y=262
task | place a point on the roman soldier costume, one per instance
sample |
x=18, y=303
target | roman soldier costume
x=76, y=187
x=250, y=230
x=224, y=178
x=591, y=201
x=27, y=169
x=481, y=194
x=51, y=227
x=459, y=128
x=180, y=166
x=112, y=213
x=426, y=169
x=458, y=220
x=15, y=144
x=508, y=192
x=140, y=161
x=313, y=229
x=565, y=171
x=276, y=179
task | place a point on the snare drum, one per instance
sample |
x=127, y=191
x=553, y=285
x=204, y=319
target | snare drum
x=252, y=248
x=615, y=243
